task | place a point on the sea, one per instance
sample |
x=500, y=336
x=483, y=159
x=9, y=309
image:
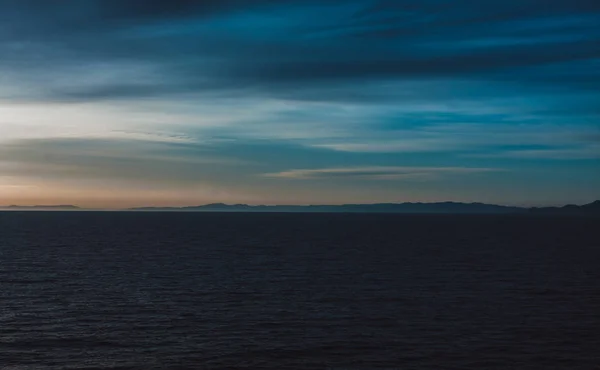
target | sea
x=175, y=290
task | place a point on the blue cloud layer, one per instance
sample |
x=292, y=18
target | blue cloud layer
x=302, y=85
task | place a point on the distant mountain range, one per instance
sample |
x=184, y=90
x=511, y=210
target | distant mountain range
x=590, y=208
x=425, y=208
x=441, y=207
x=446, y=207
x=42, y=207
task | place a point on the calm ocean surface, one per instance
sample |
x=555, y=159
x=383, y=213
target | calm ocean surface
x=298, y=291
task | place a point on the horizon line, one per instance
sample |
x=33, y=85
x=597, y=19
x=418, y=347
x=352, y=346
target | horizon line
x=75, y=208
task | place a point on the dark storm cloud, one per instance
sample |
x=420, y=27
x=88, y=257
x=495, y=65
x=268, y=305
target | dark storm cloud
x=445, y=65
x=296, y=49
x=99, y=13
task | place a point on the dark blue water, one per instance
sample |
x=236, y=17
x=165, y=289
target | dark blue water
x=298, y=291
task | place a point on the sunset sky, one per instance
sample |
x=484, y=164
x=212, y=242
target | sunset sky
x=120, y=103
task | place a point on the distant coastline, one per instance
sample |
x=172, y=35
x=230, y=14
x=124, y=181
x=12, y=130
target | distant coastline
x=407, y=208
x=62, y=207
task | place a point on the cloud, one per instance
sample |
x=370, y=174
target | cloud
x=457, y=137
x=377, y=173
x=133, y=162
x=560, y=153
x=290, y=49
x=185, y=93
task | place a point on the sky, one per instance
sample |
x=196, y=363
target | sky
x=122, y=103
